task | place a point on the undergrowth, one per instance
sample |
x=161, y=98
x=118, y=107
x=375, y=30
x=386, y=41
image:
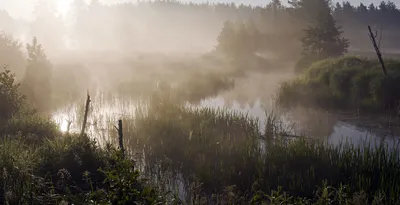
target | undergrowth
x=345, y=83
x=179, y=154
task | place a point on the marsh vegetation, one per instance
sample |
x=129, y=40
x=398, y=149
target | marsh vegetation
x=220, y=104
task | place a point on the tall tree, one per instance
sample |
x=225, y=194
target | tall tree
x=338, y=7
x=391, y=6
x=11, y=55
x=383, y=7
x=371, y=7
x=36, y=84
x=226, y=39
x=322, y=39
x=362, y=8
x=46, y=26
x=11, y=100
x=238, y=40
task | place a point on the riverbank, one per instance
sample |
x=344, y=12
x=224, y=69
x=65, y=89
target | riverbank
x=345, y=83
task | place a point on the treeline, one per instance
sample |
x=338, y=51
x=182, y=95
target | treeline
x=383, y=18
x=385, y=14
x=178, y=24
x=168, y=25
x=33, y=74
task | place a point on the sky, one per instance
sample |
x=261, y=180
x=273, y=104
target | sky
x=23, y=8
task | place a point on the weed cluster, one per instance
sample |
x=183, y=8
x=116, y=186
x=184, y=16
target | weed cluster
x=205, y=151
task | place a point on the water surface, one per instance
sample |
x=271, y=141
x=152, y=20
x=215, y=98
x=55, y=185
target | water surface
x=105, y=112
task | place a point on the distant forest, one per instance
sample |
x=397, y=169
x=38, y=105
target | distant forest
x=170, y=24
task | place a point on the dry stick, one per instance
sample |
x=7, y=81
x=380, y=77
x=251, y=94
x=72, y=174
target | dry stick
x=121, y=137
x=86, y=114
x=372, y=36
x=69, y=126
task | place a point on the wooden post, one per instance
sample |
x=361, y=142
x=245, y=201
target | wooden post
x=86, y=114
x=121, y=138
x=372, y=36
x=69, y=126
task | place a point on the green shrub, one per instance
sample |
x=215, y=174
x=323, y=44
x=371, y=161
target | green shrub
x=75, y=154
x=33, y=127
x=361, y=85
x=344, y=83
x=70, y=169
x=124, y=184
x=17, y=117
x=11, y=100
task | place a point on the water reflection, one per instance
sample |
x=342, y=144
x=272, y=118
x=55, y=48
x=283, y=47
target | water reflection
x=335, y=128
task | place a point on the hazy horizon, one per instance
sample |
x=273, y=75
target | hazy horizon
x=23, y=8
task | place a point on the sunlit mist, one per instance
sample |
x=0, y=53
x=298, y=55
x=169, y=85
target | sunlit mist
x=63, y=6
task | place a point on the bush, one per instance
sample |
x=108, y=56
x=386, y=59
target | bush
x=17, y=117
x=11, y=100
x=75, y=154
x=71, y=169
x=345, y=83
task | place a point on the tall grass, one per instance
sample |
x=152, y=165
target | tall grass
x=202, y=155
x=69, y=170
x=210, y=151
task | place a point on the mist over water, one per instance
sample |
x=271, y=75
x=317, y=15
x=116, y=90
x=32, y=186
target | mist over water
x=134, y=50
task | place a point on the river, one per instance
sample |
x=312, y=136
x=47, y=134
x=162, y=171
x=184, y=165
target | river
x=335, y=128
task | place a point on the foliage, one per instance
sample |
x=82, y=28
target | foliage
x=125, y=185
x=323, y=39
x=344, y=83
x=218, y=156
x=36, y=83
x=17, y=117
x=11, y=54
x=11, y=100
x=71, y=169
x=273, y=18
x=239, y=40
x=33, y=127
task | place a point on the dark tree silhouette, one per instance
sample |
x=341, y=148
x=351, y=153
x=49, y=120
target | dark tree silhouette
x=324, y=39
x=238, y=40
x=10, y=99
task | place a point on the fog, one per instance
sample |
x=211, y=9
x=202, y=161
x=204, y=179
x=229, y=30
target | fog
x=131, y=48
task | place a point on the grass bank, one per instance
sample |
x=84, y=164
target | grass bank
x=345, y=83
